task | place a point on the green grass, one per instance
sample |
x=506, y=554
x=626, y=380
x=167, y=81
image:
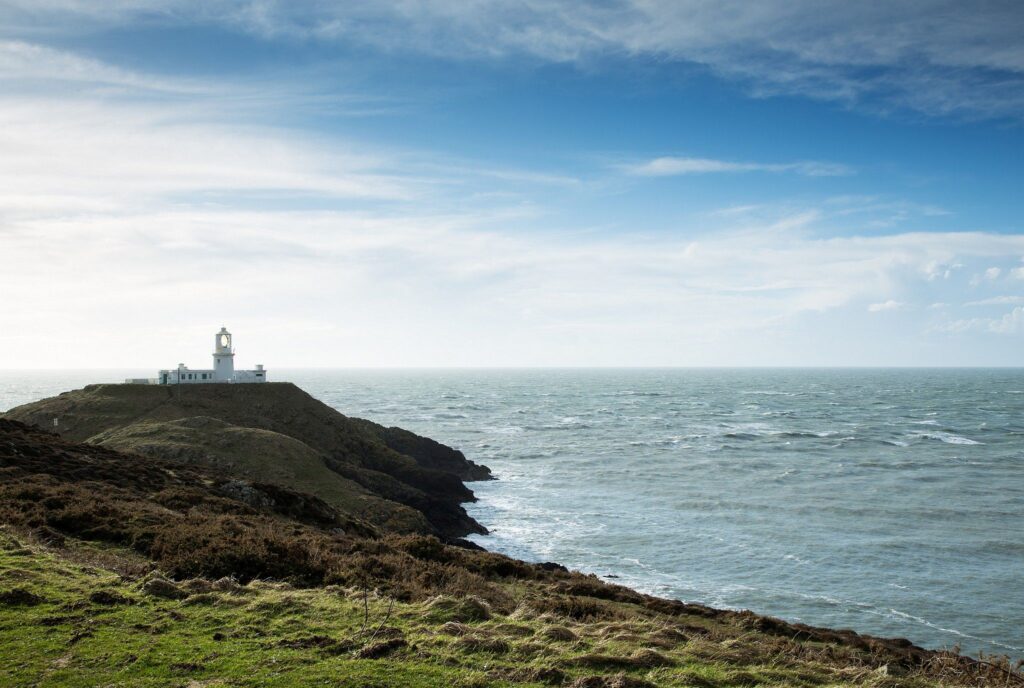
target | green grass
x=271, y=634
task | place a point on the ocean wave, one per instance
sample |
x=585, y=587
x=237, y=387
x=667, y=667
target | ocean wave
x=744, y=435
x=754, y=434
x=559, y=426
x=506, y=430
x=910, y=617
x=947, y=437
x=807, y=433
x=665, y=442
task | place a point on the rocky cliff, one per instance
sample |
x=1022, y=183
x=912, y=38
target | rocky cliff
x=389, y=478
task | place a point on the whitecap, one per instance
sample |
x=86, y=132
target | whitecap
x=948, y=438
x=507, y=430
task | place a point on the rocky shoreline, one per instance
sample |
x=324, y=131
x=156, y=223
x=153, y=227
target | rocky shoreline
x=256, y=483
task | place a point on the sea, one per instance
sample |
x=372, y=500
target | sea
x=888, y=501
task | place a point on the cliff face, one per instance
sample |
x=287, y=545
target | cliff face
x=388, y=477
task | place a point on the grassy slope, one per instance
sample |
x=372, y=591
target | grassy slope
x=264, y=634
x=262, y=455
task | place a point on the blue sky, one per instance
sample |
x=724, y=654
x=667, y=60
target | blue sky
x=625, y=182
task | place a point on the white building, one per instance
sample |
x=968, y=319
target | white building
x=223, y=368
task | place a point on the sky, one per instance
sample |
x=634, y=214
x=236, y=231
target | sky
x=511, y=183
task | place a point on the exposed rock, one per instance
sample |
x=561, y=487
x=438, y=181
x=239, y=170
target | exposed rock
x=552, y=566
x=429, y=453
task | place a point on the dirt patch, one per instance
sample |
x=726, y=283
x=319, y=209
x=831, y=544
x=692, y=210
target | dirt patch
x=19, y=597
x=618, y=681
x=383, y=649
x=548, y=675
x=109, y=598
x=474, y=643
x=187, y=667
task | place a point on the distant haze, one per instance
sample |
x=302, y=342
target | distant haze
x=619, y=183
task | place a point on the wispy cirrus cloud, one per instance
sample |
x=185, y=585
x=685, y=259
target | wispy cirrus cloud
x=32, y=64
x=938, y=57
x=81, y=135
x=998, y=300
x=669, y=166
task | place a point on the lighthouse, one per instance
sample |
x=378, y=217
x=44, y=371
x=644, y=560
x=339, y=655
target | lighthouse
x=223, y=368
x=223, y=357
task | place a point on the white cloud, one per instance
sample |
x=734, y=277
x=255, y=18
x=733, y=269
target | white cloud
x=1010, y=323
x=1017, y=273
x=996, y=301
x=990, y=275
x=146, y=152
x=672, y=166
x=890, y=305
x=936, y=269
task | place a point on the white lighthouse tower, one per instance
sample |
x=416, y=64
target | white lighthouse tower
x=223, y=357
